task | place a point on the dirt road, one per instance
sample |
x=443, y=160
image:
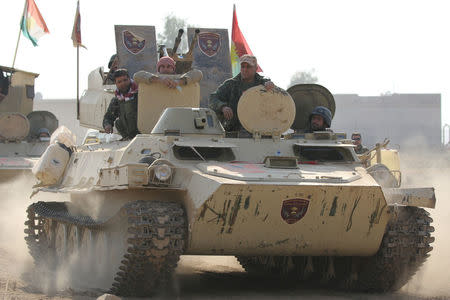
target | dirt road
x=197, y=278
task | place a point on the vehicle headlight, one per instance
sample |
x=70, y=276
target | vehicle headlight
x=163, y=172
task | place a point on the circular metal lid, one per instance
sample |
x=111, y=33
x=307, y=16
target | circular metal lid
x=266, y=112
x=13, y=126
x=41, y=119
x=306, y=98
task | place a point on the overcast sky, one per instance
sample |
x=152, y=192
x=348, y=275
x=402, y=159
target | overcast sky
x=359, y=47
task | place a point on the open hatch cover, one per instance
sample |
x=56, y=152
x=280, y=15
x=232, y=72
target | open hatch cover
x=306, y=98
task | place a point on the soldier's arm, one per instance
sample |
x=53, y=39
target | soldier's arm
x=149, y=78
x=220, y=97
x=144, y=76
x=111, y=113
x=262, y=80
x=267, y=83
x=192, y=76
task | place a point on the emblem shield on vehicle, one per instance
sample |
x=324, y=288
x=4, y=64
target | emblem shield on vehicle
x=133, y=42
x=293, y=210
x=209, y=43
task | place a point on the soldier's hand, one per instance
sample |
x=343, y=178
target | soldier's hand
x=108, y=129
x=227, y=112
x=169, y=82
x=269, y=85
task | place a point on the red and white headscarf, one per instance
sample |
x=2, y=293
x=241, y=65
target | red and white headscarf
x=131, y=94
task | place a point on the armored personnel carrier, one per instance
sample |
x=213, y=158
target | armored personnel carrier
x=301, y=205
x=24, y=133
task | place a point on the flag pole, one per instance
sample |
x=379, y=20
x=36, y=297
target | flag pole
x=18, y=38
x=78, y=82
x=17, y=47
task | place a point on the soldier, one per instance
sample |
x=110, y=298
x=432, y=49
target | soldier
x=43, y=134
x=224, y=100
x=319, y=119
x=122, y=110
x=166, y=66
x=356, y=138
x=113, y=65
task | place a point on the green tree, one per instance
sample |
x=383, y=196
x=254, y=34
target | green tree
x=304, y=77
x=171, y=26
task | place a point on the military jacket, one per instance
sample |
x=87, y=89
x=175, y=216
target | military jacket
x=361, y=149
x=228, y=94
x=126, y=111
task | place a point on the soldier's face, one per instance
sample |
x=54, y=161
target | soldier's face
x=247, y=72
x=317, y=123
x=166, y=69
x=356, y=140
x=123, y=83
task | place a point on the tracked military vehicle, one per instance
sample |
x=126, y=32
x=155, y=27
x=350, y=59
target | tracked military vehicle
x=301, y=205
x=24, y=133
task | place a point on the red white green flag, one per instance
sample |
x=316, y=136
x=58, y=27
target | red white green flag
x=32, y=24
x=76, y=32
x=239, y=46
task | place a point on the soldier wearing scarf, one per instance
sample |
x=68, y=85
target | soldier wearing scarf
x=122, y=110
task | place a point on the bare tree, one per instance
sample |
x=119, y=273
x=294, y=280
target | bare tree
x=304, y=77
x=171, y=26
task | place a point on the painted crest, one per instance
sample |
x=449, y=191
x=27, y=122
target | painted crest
x=209, y=43
x=133, y=42
x=293, y=210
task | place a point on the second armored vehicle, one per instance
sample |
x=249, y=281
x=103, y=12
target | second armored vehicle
x=24, y=133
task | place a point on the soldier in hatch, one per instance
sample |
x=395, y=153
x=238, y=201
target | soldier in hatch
x=224, y=100
x=356, y=138
x=122, y=110
x=319, y=119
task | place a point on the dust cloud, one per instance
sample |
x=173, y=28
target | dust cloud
x=15, y=261
x=15, y=198
x=423, y=167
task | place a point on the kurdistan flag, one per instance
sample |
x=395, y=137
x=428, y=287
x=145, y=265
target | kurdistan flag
x=32, y=25
x=239, y=46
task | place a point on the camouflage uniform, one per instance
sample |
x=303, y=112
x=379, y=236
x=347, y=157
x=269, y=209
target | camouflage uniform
x=123, y=115
x=360, y=149
x=228, y=94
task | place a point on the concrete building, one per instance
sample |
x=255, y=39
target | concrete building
x=408, y=120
